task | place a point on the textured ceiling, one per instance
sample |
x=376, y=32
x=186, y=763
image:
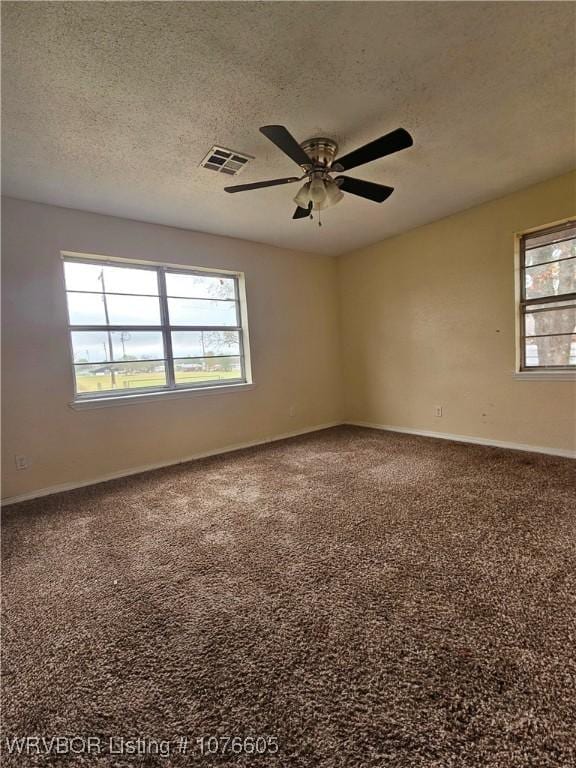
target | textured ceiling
x=110, y=106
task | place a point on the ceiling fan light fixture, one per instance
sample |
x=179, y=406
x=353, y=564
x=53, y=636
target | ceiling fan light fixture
x=319, y=194
x=333, y=194
x=318, y=159
x=317, y=190
x=303, y=196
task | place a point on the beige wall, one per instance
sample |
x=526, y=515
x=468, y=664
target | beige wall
x=423, y=319
x=292, y=311
x=428, y=318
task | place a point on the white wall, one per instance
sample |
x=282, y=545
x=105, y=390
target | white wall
x=293, y=316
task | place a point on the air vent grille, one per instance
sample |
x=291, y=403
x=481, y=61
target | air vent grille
x=225, y=161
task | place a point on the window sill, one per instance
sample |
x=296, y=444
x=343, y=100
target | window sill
x=150, y=397
x=544, y=375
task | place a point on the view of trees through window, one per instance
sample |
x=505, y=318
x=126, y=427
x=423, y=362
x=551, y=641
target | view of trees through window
x=151, y=328
x=549, y=298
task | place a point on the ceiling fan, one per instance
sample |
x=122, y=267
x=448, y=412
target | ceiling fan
x=316, y=158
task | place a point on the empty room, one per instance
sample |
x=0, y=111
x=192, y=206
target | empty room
x=288, y=384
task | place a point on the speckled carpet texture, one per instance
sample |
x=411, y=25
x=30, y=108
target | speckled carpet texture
x=346, y=599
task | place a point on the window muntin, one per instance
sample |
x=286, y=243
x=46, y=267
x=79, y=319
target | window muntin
x=137, y=329
x=548, y=299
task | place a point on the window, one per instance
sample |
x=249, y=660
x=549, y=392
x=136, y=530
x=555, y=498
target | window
x=137, y=329
x=548, y=299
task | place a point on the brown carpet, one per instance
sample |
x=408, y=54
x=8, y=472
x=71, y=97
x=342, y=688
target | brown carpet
x=368, y=598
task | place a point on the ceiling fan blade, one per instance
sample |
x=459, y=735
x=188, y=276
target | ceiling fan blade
x=260, y=184
x=385, y=145
x=376, y=192
x=302, y=213
x=284, y=140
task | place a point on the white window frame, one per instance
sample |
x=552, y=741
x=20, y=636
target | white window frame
x=171, y=389
x=536, y=373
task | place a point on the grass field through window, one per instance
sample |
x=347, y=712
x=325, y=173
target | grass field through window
x=134, y=381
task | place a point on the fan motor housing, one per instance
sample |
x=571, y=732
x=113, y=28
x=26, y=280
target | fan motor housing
x=321, y=151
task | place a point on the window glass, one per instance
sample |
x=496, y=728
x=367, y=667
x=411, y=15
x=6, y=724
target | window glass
x=552, y=279
x=548, y=304
x=134, y=329
x=199, y=287
x=202, y=312
x=203, y=343
x=100, y=278
x=113, y=377
x=550, y=351
x=98, y=346
x=197, y=370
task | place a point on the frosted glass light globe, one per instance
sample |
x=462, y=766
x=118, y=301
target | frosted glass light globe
x=317, y=191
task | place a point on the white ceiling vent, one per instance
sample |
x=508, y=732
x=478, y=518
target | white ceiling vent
x=225, y=161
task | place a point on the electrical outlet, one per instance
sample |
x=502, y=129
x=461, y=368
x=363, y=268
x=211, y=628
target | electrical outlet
x=438, y=411
x=21, y=462
x=292, y=411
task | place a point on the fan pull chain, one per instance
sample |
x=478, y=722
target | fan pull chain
x=319, y=222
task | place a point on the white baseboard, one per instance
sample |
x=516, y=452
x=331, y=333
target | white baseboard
x=250, y=444
x=147, y=467
x=468, y=439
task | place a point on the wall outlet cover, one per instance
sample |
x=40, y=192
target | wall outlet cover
x=21, y=462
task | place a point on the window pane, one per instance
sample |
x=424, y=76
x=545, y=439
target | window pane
x=137, y=345
x=86, y=309
x=82, y=277
x=124, y=280
x=551, y=252
x=205, y=343
x=119, y=376
x=133, y=310
x=90, y=346
x=562, y=232
x=551, y=321
x=94, y=346
x=199, y=287
x=89, y=309
x=199, y=370
x=550, y=279
x=550, y=351
x=100, y=277
x=201, y=312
